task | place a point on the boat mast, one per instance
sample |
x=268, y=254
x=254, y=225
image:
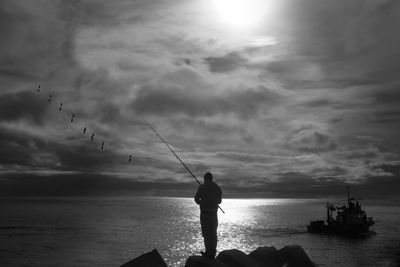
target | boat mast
x=348, y=196
x=328, y=213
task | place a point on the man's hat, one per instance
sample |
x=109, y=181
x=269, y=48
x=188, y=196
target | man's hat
x=208, y=176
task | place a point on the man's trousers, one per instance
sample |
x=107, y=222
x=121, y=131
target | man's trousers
x=209, y=224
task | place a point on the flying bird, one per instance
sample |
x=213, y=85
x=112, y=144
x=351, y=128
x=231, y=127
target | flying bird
x=50, y=99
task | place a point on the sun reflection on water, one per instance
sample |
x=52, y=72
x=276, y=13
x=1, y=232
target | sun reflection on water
x=242, y=210
x=244, y=216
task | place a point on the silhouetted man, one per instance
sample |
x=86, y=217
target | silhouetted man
x=208, y=196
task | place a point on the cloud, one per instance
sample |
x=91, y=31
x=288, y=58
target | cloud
x=32, y=154
x=303, y=185
x=81, y=184
x=15, y=148
x=30, y=151
x=22, y=105
x=365, y=153
x=225, y=63
x=291, y=184
x=243, y=157
x=37, y=43
x=311, y=140
x=194, y=102
x=380, y=187
x=387, y=116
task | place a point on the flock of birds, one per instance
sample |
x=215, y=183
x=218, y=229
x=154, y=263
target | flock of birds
x=73, y=118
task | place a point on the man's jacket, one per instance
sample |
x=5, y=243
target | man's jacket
x=208, y=196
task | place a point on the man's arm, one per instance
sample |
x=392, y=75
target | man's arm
x=197, y=197
x=219, y=195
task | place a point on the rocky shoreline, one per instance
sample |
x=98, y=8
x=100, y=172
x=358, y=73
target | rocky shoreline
x=288, y=256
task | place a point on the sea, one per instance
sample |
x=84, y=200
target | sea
x=109, y=231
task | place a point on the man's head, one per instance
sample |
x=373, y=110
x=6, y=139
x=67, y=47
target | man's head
x=208, y=176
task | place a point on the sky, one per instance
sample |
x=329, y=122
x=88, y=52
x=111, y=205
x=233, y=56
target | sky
x=288, y=98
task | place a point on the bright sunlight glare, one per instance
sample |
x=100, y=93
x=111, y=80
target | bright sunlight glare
x=242, y=13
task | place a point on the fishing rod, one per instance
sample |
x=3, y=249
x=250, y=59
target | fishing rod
x=51, y=99
x=173, y=152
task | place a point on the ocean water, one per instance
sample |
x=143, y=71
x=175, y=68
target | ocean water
x=110, y=231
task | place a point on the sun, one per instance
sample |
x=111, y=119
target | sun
x=241, y=13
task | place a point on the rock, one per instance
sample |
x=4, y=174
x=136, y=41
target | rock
x=200, y=261
x=269, y=256
x=149, y=259
x=289, y=256
x=295, y=256
x=237, y=258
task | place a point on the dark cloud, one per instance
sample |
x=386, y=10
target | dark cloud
x=394, y=170
x=242, y=157
x=290, y=184
x=311, y=140
x=334, y=172
x=212, y=136
x=383, y=95
x=110, y=113
x=22, y=105
x=175, y=100
x=16, y=74
x=16, y=148
x=29, y=151
x=317, y=103
x=84, y=157
x=225, y=63
x=183, y=61
x=301, y=185
x=82, y=184
x=37, y=44
x=387, y=116
x=380, y=187
x=368, y=153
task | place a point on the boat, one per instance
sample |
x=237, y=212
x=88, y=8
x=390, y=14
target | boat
x=350, y=219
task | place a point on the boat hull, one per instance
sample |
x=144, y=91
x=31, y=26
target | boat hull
x=319, y=227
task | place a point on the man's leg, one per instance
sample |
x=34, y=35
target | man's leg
x=213, y=234
x=209, y=224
